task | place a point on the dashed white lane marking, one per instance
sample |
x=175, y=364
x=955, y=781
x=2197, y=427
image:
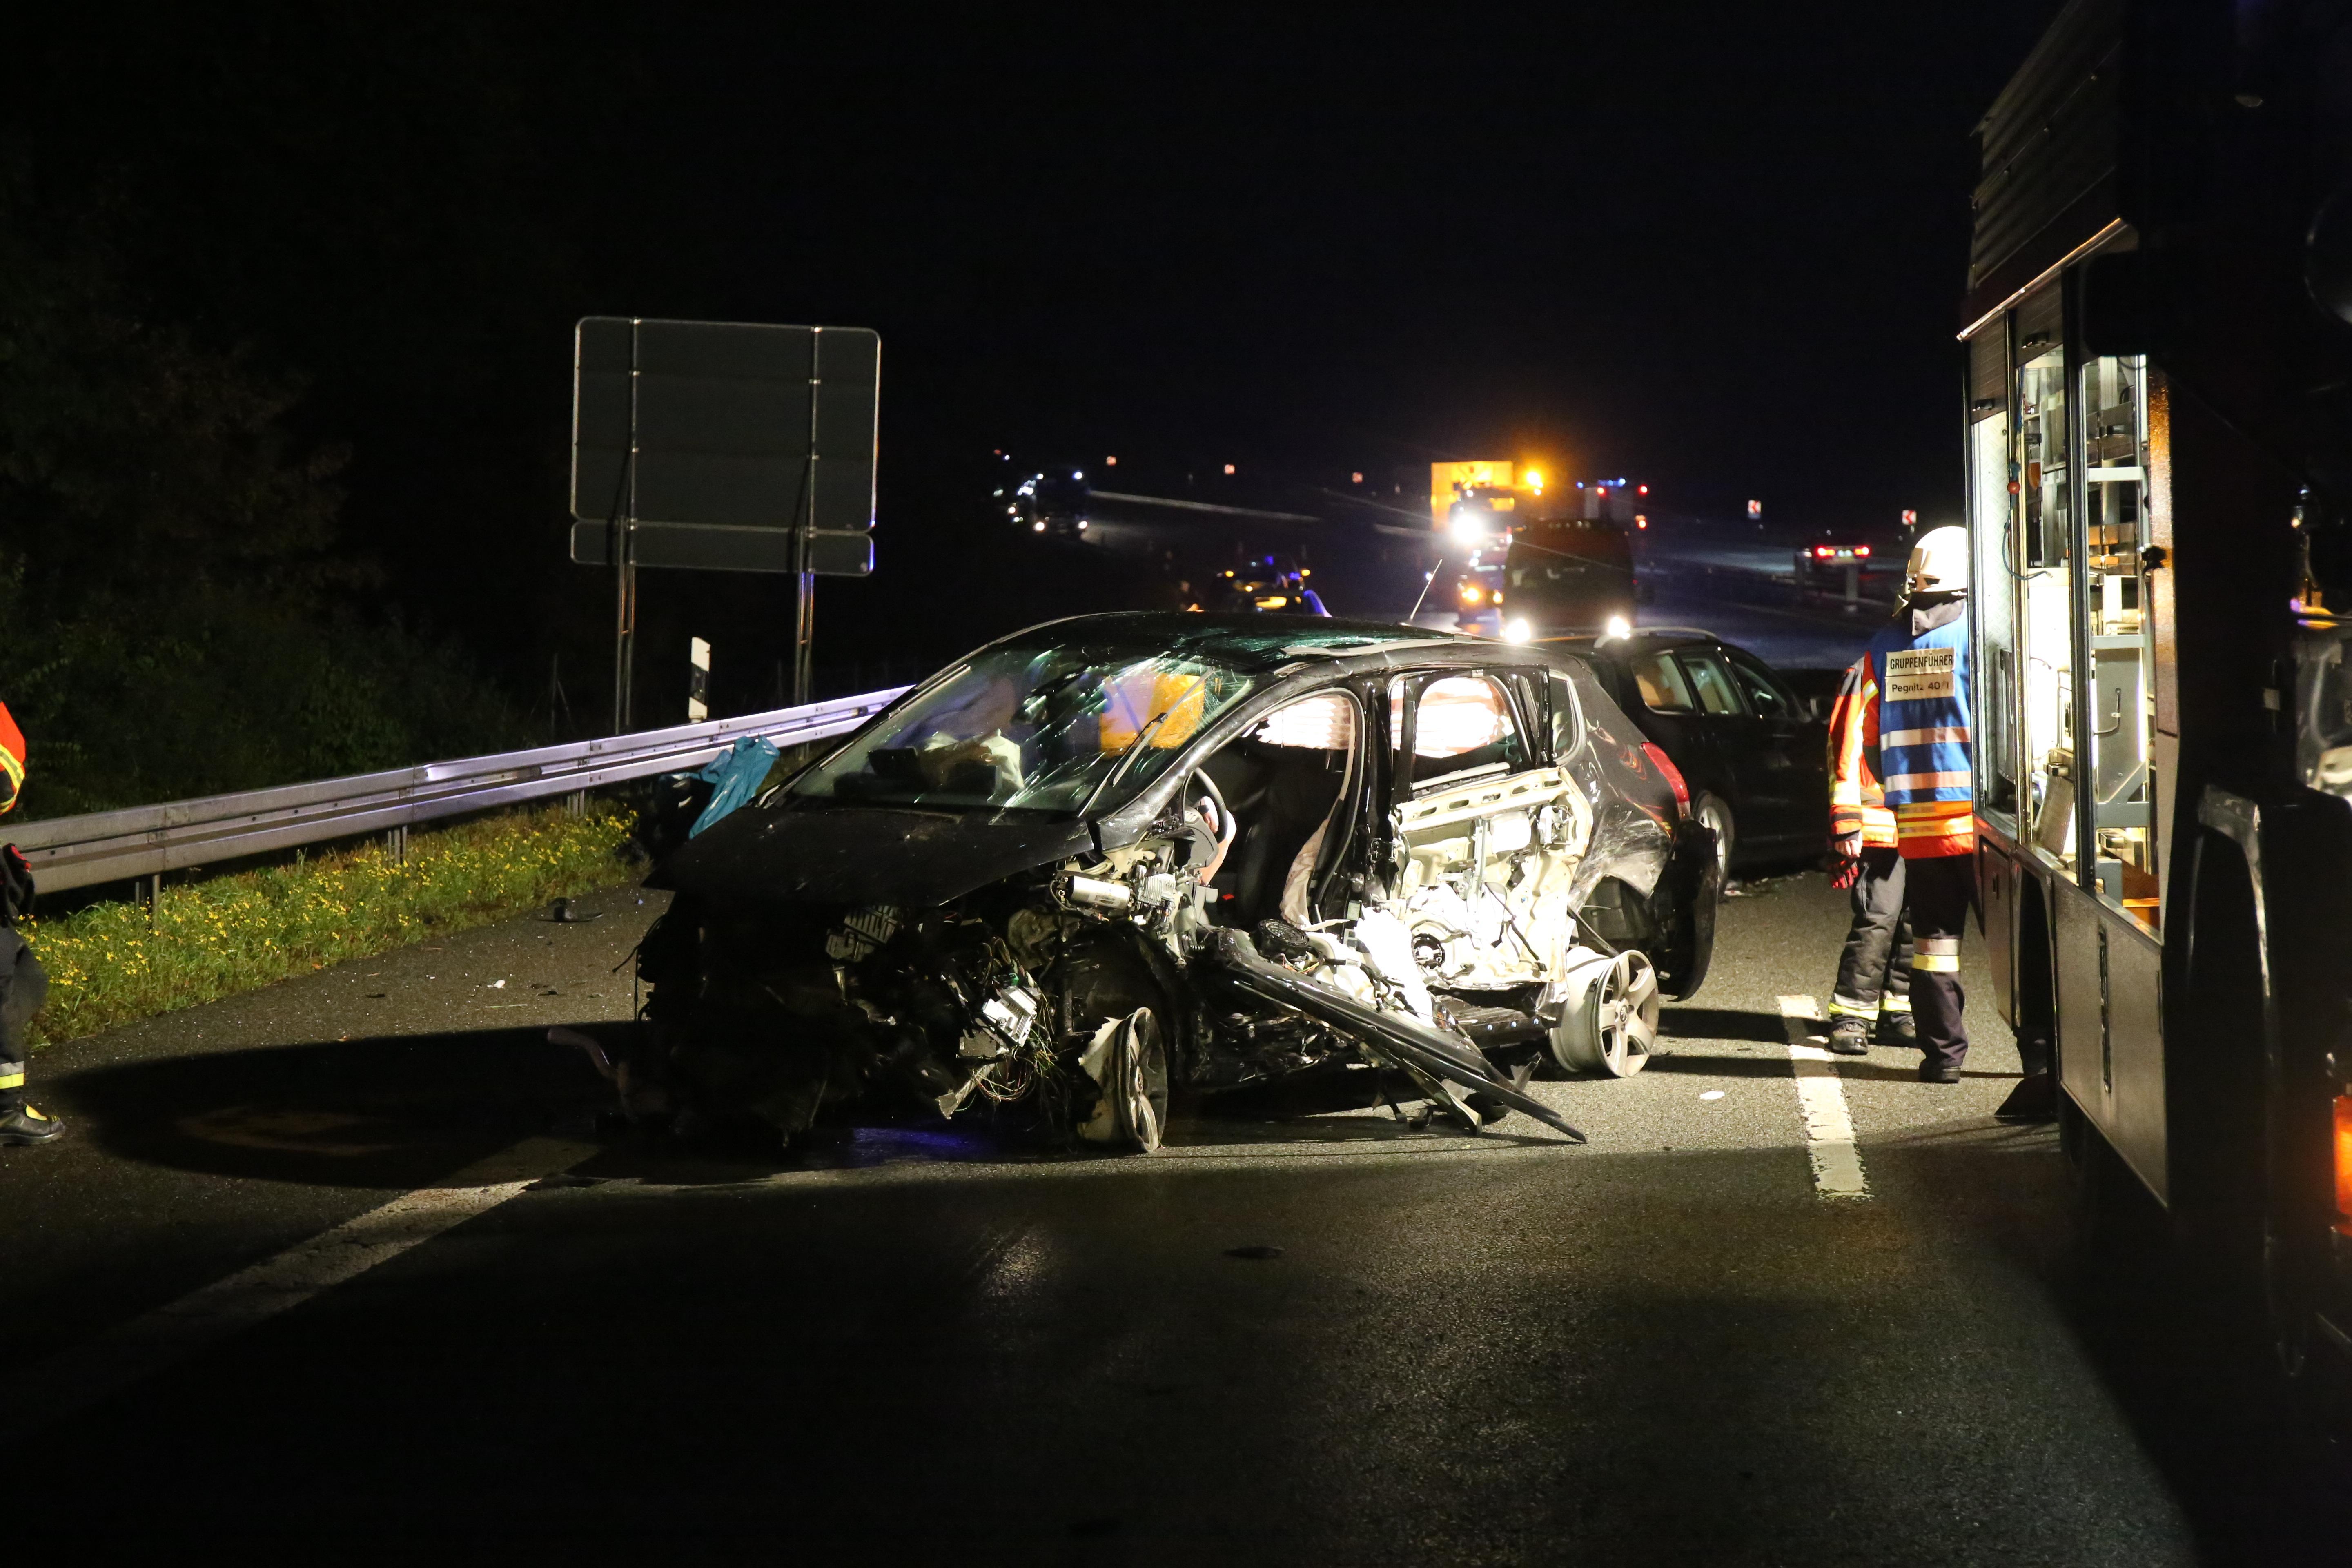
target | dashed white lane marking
x=80, y=1377
x=1821, y=1096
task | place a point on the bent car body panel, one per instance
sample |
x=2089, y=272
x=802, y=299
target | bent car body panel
x=1412, y=1044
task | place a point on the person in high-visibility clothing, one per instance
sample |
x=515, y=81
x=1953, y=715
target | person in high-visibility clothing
x=1915, y=698
x=1874, y=976
x=24, y=984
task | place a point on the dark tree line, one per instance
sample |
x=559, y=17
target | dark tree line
x=255, y=272
x=286, y=300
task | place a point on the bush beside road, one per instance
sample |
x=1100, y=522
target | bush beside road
x=109, y=963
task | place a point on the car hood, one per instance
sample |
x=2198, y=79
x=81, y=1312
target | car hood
x=864, y=855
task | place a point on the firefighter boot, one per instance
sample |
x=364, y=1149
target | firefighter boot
x=1895, y=1028
x=1850, y=1038
x=21, y=1124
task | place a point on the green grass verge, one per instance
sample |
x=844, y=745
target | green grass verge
x=214, y=938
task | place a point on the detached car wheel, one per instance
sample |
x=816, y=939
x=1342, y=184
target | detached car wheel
x=1130, y=1066
x=1611, y=1022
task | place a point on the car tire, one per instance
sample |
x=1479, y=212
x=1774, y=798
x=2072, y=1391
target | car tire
x=1132, y=1113
x=1610, y=1024
x=1711, y=810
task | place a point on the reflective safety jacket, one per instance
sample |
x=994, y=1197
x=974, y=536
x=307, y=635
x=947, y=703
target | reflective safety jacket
x=1919, y=665
x=12, y=760
x=1857, y=803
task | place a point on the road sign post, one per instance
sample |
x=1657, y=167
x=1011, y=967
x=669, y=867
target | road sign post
x=722, y=447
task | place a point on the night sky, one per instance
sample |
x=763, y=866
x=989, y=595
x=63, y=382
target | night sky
x=1720, y=248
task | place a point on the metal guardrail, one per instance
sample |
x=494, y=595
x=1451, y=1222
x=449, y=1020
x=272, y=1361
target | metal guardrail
x=69, y=852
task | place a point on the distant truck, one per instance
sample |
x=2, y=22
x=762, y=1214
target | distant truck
x=1476, y=499
x=1522, y=563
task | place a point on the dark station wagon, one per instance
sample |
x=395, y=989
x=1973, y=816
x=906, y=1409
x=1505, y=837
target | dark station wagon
x=1751, y=751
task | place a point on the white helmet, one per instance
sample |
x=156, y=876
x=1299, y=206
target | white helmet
x=1940, y=562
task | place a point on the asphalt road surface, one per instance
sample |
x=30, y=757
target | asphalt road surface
x=342, y=1267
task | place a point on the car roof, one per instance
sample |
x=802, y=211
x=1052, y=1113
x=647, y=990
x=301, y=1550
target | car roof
x=1650, y=638
x=1653, y=637
x=1238, y=638
x=1325, y=643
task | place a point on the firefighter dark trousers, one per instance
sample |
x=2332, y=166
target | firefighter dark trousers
x=24, y=987
x=1874, y=973
x=1941, y=891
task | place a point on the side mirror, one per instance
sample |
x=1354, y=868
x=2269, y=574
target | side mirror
x=1819, y=708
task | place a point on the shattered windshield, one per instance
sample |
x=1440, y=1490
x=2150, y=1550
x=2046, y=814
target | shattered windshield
x=1037, y=728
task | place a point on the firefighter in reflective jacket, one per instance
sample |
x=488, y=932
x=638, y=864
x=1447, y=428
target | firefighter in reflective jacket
x=1914, y=701
x=1874, y=977
x=24, y=985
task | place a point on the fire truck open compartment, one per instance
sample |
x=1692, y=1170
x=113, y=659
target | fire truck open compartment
x=2070, y=775
x=2158, y=444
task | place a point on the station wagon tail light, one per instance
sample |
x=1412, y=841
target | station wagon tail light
x=1674, y=776
x=1862, y=550
x=2343, y=1163
x=1822, y=552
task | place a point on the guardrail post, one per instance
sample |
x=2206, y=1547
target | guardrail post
x=395, y=843
x=576, y=803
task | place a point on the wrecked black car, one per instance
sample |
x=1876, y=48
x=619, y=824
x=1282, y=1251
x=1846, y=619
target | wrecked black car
x=1119, y=854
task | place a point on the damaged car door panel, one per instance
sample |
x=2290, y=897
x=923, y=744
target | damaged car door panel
x=1115, y=855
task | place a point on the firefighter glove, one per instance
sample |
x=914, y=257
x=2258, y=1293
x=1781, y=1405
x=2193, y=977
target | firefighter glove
x=1845, y=860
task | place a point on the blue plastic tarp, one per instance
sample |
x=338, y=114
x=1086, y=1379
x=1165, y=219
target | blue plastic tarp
x=735, y=775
